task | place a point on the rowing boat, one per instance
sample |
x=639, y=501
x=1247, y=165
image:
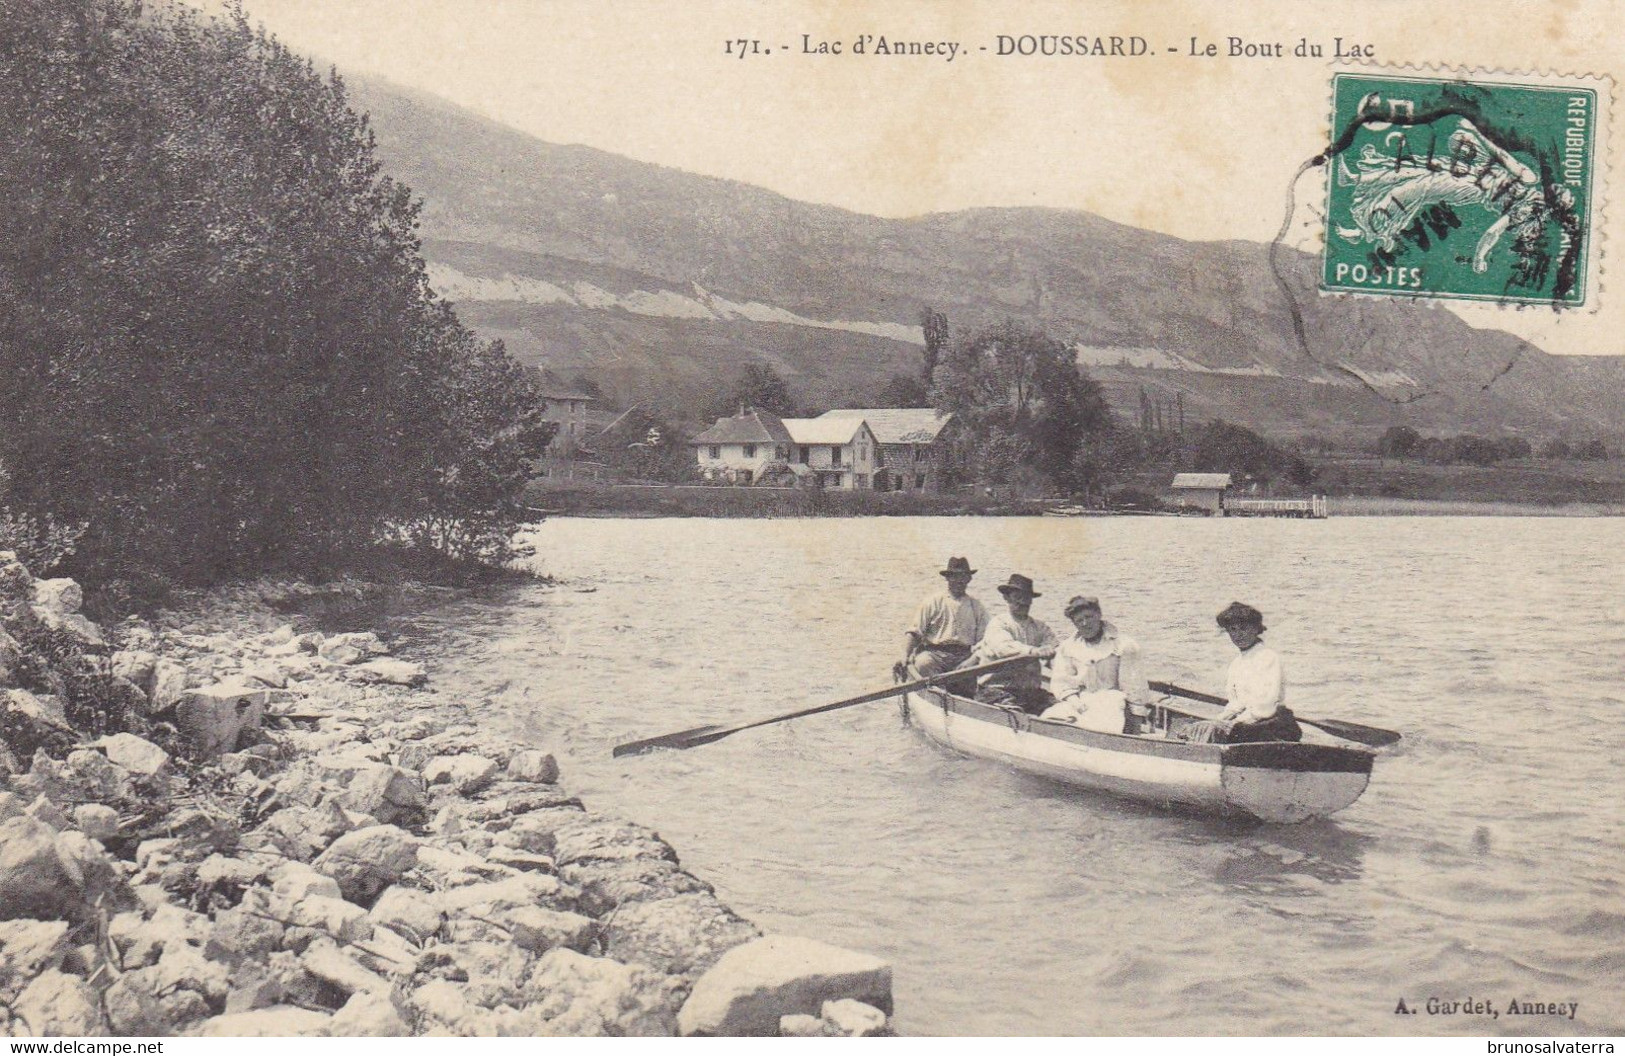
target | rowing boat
x=1274, y=781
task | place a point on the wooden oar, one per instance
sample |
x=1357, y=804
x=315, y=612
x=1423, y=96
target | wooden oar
x=706, y=734
x=1349, y=731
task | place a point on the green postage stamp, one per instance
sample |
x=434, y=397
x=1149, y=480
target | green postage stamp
x=1464, y=189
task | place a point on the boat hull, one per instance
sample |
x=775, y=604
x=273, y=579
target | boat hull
x=1274, y=781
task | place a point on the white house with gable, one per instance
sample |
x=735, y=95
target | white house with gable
x=842, y=452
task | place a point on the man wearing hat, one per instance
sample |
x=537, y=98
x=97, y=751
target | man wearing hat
x=1254, y=685
x=1097, y=672
x=1015, y=633
x=946, y=628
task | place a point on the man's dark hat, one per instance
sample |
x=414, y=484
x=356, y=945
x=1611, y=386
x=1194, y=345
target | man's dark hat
x=958, y=565
x=1239, y=615
x=1018, y=584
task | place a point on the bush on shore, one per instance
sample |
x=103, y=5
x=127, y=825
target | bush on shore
x=222, y=351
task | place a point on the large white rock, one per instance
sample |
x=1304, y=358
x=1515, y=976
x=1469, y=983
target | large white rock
x=60, y=1005
x=278, y=1021
x=324, y=960
x=28, y=947
x=752, y=986
x=534, y=766
x=215, y=717
x=58, y=595
x=366, y=861
x=466, y=773
x=349, y=648
x=35, y=881
x=135, y=754
x=409, y=912
x=343, y=920
x=96, y=820
x=368, y=1015
x=854, y=1018
x=389, y=671
x=580, y=996
x=296, y=880
x=168, y=684
x=388, y=793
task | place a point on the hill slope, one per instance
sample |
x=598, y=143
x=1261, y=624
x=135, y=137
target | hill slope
x=661, y=284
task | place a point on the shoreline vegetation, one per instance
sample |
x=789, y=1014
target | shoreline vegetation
x=1386, y=491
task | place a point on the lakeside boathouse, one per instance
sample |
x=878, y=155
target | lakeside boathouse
x=1212, y=492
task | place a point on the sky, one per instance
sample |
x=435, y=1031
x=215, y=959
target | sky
x=1199, y=147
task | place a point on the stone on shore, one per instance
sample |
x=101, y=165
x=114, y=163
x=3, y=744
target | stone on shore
x=135, y=754
x=278, y=1021
x=366, y=861
x=751, y=986
x=324, y=960
x=214, y=718
x=96, y=820
x=36, y=882
x=389, y=671
x=392, y=795
x=683, y=935
x=581, y=996
x=368, y=1015
x=349, y=648
x=854, y=1018
x=465, y=773
x=533, y=766
x=409, y=912
x=58, y=595
x=27, y=948
x=59, y=1005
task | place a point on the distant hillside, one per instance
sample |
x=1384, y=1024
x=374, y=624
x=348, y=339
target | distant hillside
x=661, y=284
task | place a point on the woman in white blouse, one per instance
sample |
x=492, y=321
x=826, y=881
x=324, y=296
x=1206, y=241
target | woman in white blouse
x=1254, y=685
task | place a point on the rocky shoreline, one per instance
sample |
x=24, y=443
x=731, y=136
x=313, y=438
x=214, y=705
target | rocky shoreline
x=292, y=834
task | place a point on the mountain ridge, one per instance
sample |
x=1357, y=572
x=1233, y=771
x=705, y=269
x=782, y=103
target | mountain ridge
x=661, y=284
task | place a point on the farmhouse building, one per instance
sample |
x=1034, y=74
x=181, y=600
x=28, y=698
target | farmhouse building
x=910, y=441
x=567, y=407
x=737, y=450
x=840, y=452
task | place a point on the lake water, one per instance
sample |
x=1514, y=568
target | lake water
x=1484, y=862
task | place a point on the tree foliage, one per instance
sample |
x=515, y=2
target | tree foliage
x=221, y=347
x=759, y=386
x=1024, y=407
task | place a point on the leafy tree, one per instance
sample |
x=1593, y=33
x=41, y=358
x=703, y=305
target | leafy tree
x=1223, y=447
x=1021, y=400
x=903, y=390
x=1399, y=441
x=222, y=351
x=757, y=385
x=935, y=326
x=1591, y=451
x=1556, y=449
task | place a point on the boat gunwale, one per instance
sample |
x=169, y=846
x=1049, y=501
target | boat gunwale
x=1294, y=756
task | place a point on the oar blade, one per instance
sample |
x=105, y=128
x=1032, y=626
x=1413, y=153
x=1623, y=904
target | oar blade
x=681, y=739
x=1353, y=731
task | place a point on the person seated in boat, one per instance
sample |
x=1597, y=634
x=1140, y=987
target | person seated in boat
x=1010, y=634
x=946, y=628
x=1097, y=674
x=1254, y=685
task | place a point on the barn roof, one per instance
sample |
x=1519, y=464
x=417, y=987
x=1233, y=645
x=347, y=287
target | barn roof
x=897, y=425
x=749, y=427
x=1201, y=480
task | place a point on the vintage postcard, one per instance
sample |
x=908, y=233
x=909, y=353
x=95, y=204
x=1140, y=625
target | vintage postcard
x=791, y=518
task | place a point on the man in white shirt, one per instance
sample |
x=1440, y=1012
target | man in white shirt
x=946, y=628
x=1254, y=685
x=1010, y=634
x=1097, y=672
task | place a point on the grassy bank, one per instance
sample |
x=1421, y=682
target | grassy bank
x=612, y=500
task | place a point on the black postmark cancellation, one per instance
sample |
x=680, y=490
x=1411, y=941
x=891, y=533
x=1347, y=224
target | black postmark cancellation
x=1487, y=1008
